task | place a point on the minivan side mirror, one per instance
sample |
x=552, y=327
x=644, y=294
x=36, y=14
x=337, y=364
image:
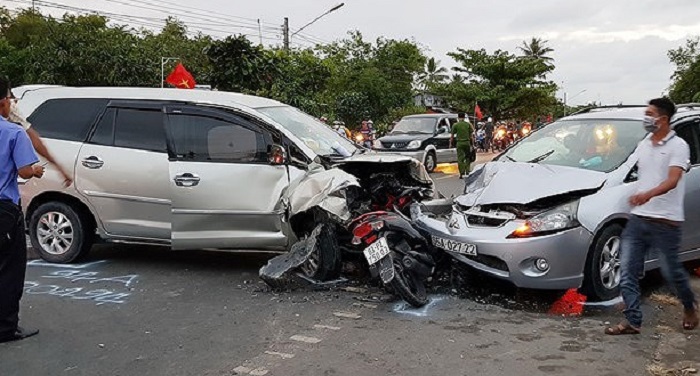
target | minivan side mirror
x=277, y=155
x=442, y=130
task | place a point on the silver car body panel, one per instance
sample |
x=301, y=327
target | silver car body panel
x=495, y=182
x=234, y=206
x=131, y=197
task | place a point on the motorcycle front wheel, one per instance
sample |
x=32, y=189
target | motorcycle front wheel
x=408, y=286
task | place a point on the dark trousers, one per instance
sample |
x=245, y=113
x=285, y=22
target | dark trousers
x=641, y=235
x=13, y=264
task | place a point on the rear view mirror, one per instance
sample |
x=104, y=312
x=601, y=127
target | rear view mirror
x=277, y=155
x=442, y=130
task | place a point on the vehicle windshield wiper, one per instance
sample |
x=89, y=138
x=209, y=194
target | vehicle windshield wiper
x=509, y=158
x=541, y=157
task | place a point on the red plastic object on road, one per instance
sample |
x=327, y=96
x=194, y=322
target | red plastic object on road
x=570, y=304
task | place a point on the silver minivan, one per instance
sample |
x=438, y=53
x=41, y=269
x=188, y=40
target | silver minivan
x=549, y=211
x=188, y=169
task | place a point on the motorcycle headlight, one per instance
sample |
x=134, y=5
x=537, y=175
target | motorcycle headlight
x=415, y=144
x=560, y=218
x=377, y=144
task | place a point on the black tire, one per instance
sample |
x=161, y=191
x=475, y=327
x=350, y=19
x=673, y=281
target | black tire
x=324, y=262
x=81, y=232
x=430, y=162
x=408, y=287
x=594, y=286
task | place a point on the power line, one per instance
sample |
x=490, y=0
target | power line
x=144, y=21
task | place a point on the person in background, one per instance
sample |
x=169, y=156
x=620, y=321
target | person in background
x=463, y=134
x=16, y=117
x=489, y=128
x=657, y=217
x=17, y=158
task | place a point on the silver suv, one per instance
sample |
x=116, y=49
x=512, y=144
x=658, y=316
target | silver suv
x=188, y=169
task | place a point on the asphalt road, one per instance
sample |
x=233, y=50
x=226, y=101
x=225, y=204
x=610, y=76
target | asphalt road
x=149, y=311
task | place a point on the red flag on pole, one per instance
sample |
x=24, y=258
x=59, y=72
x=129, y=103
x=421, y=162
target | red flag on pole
x=477, y=112
x=181, y=78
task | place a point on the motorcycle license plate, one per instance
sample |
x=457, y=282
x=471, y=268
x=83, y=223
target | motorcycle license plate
x=454, y=246
x=377, y=251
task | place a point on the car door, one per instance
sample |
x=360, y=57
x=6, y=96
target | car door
x=689, y=130
x=445, y=153
x=224, y=190
x=123, y=171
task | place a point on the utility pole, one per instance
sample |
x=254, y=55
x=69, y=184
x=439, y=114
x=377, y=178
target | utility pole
x=285, y=30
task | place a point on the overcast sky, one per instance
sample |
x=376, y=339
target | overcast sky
x=615, y=50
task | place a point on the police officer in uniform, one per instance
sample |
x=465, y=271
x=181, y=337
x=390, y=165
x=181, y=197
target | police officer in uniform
x=17, y=158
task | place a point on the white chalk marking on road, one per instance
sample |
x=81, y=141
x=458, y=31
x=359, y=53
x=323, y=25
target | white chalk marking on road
x=259, y=372
x=63, y=266
x=305, y=339
x=365, y=305
x=317, y=326
x=347, y=315
x=242, y=370
x=280, y=354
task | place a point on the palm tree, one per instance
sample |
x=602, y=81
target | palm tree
x=537, y=48
x=432, y=75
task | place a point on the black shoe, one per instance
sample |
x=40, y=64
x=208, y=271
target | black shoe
x=19, y=334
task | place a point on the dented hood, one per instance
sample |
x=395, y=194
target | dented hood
x=323, y=188
x=524, y=183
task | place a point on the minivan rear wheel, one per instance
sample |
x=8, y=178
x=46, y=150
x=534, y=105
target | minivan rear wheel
x=59, y=233
x=602, y=273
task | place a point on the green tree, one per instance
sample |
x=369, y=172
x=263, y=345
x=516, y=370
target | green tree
x=537, y=48
x=238, y=65
x=505, y=85
x=685, y=85
x=432, y=76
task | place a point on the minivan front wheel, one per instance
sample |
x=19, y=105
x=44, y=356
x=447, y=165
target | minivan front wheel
x=602, y=275
x=59, y=233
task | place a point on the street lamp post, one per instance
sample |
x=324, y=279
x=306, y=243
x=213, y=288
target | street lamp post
x=163, y=61
x=286, y=29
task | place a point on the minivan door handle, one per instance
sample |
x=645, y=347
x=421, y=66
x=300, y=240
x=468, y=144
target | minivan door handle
x=186, y=180
x=93, y=162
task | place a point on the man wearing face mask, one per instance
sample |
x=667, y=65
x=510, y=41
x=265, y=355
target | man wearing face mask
x=17, y=158
x=16, y=117
x=657, y=217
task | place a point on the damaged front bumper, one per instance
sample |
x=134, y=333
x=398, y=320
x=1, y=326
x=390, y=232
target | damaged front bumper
x=512, y=259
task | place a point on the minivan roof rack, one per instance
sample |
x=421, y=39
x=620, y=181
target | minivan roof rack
x=688, y=105
x=593, y=108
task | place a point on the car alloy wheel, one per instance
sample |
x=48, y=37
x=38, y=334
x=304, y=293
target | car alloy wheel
x=55, y=233
x=430, y=162
x=610, y=263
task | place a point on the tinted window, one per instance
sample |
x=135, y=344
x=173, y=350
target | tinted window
x=139, y=129
x=67, y=118
x=202, y=138
x=689, y=132
x=104, y=131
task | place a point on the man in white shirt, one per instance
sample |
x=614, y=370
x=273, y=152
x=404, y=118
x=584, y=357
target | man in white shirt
x=17, y=118
x=657, y=217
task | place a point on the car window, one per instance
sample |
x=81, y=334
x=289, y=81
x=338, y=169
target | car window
x=139, y=129
x=415, y=125
x=67, y=119
x=593, y=144
x=203, y=138
x=104, y=130
x=689, y=132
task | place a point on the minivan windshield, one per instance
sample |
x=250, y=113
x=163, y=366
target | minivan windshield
x=593, y=144
x=415, y=125
x=317, y=136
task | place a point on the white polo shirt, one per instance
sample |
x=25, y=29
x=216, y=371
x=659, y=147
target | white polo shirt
x=654, y=163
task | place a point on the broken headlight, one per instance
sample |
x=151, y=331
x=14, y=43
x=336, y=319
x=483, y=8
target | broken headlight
x=562, y=217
